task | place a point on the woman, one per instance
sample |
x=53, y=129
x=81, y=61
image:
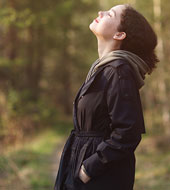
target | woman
x=108, y=117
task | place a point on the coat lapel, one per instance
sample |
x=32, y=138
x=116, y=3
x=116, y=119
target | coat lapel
x=89, y=82
x=76, y=127
x=82, y=90
x=79, y=92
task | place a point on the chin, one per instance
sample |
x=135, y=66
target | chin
x=92, y=27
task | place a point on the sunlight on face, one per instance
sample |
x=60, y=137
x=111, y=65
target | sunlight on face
x=107, y=22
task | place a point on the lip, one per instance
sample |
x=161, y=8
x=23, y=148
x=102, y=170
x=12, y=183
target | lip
x=96, y=20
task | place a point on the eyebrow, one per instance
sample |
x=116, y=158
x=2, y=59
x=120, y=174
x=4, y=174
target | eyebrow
x=113, y=11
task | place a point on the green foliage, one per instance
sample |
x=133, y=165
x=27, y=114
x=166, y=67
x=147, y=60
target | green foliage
x=39, y=41
x=46, y=51
x=22, y=19
x=21, y=104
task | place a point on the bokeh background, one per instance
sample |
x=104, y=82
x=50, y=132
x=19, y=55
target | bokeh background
x=46, y=49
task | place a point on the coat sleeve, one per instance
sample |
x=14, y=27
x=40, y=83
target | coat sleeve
x=123, y=110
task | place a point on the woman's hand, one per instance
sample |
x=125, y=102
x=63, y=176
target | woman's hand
x=83, y=176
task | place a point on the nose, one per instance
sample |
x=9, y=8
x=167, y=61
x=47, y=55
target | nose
x=100, y=13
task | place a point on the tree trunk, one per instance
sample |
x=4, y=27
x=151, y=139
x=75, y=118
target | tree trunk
x=161, y=81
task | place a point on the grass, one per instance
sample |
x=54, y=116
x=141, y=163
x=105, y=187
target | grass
x=152, y=166
x=28, y=167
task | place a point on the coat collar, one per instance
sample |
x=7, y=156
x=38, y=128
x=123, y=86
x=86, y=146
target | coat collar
x=89, y=82
x=85, y=86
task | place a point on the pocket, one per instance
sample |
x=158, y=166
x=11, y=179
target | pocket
x=80, y=159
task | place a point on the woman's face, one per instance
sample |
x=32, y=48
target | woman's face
x=107, y=22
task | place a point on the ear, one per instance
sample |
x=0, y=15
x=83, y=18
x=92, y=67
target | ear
x=119, y=36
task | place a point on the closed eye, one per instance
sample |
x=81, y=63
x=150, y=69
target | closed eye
x=109, y=14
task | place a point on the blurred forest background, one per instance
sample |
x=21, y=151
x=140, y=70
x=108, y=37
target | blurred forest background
x=46, y=49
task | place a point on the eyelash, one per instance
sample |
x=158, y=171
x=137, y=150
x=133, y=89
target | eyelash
x=109, y=15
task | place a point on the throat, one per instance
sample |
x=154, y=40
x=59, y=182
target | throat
x=104, y=47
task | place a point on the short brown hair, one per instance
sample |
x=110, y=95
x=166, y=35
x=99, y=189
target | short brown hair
x=140, y=37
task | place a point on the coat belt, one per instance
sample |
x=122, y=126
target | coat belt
x=88, y=133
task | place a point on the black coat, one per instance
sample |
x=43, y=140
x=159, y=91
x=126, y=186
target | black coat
x=108, y=123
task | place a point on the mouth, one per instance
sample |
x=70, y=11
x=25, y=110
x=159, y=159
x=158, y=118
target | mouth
x=96, y=20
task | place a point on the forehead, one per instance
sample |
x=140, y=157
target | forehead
x=118, y=9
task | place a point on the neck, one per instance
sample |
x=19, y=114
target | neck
x=106, y=46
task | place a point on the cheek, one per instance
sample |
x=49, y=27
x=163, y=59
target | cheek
x=106, y=29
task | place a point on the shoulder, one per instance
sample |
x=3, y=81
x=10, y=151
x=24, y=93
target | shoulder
x=115, y=73
x=119, y=68
x=122, y=80
x=117, y=63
